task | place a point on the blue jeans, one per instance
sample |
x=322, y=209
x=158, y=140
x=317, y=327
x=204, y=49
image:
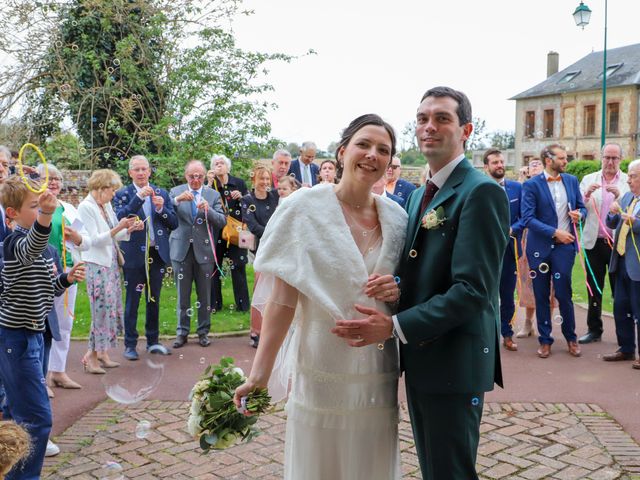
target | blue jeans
x=21, y=361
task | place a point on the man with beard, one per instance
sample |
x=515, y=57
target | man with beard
x=494, y=167
x=551, y=204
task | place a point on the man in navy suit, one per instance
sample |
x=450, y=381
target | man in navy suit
x=147, y=252
x=624, y=217
x=494, y=167
x=303, y=168
x=396, y=185
x=551, y=205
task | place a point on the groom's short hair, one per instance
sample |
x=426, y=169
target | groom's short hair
x=464, y=105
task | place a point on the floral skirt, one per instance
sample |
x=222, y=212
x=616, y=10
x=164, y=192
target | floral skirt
x=105, y=298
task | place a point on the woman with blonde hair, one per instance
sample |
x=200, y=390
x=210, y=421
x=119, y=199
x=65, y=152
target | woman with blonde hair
x=103, y=261
x=257, y=208
x=62, y=235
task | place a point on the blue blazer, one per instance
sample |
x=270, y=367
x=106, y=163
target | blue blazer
x=403, y=189
x=514, y=194
x=631, y=256
x=398, y=199
x=125, y=202
x=538, y=214
x=295, y=169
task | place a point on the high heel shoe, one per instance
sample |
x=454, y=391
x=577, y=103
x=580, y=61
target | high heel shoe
x=526, y=330
x=64, y=382
x=88, y=368
x=108, y=363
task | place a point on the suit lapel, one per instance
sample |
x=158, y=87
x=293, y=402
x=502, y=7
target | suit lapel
x=446, y=192
x=413, y=210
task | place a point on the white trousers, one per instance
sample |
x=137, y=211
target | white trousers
x=60, y=348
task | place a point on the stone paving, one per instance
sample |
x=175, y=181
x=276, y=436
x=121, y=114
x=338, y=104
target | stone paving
x=519, y=441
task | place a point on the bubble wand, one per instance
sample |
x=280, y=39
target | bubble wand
x=44, y=185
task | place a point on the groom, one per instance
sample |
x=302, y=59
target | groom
x=448, y=314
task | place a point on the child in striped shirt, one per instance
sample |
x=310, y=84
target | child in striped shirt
x=29, y=286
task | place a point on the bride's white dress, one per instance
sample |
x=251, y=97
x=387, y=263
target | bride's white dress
x=342, y=411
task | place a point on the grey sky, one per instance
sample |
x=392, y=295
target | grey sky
x=380, y=57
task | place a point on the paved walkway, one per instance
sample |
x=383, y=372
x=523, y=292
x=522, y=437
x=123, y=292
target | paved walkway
x=519, y=441
x=559, y=418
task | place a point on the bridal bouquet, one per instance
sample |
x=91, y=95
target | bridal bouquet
x=213, y=417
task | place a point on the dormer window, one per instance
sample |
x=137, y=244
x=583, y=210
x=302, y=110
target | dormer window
x=611, y=69
x=569, y=76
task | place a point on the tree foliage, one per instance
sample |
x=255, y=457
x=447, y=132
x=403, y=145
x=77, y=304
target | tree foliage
x=502, y=139
x=478, y=135
x=158, y=77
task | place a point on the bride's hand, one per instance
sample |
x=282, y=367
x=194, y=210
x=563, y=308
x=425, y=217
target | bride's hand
x=382, y=287
x=243, y=391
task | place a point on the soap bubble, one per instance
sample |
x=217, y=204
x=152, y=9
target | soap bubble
x=202, y=360
x=557, y=320
x=543, y=267
x=125, y=388
x=142, y=429
x=189, y=312
x=111, y=471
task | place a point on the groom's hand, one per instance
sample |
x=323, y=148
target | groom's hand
x=376, y=328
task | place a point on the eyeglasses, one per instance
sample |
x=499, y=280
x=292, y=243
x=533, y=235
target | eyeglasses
x=393, y=167
x=610, y=159
x=195, y=176
x=55, y=179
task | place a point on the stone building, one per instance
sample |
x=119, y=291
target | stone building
x=566, y=108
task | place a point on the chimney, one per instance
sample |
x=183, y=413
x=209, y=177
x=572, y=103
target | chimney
x=553, y=59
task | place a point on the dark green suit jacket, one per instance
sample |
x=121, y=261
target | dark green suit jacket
x=450, y=278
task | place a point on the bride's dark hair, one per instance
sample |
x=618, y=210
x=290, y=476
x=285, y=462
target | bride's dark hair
x=357, y=124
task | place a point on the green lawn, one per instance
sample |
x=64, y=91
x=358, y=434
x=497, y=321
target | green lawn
x=228, y=320
x=580, y=293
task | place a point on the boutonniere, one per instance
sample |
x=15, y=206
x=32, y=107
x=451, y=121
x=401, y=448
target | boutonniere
x=433, y=218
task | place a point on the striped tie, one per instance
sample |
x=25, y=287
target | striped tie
x=621, y=245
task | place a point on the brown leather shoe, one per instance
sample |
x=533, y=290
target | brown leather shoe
x=509, y=345
x=544, y=350
x=636, y=365
x=618, y=357
x=574, y=349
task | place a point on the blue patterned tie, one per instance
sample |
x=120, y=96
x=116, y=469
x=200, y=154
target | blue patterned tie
x=194, y=210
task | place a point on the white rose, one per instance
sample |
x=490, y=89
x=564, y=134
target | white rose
x=196, y=407
x=193, y=425
x=431, y=220
x=238, y=370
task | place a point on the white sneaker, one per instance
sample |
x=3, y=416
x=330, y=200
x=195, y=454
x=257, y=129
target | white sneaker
x=52, y=449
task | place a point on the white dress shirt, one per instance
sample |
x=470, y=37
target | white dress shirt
x=559, y=195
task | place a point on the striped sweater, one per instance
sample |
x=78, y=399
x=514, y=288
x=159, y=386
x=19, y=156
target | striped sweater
x=28, y=278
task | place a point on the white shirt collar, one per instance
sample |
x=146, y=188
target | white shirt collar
x=444, y=173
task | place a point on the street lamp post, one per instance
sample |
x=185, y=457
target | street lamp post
x=582, y=16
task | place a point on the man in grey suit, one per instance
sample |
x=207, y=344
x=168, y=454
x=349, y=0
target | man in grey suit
x=191, y=249
x=624, y=219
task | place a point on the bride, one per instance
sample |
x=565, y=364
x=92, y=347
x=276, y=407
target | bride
x=325, y=250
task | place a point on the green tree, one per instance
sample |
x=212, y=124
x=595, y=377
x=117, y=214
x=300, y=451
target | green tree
x=159, y=77
x=478, y=135
x=502, y=139
x=294, y=149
